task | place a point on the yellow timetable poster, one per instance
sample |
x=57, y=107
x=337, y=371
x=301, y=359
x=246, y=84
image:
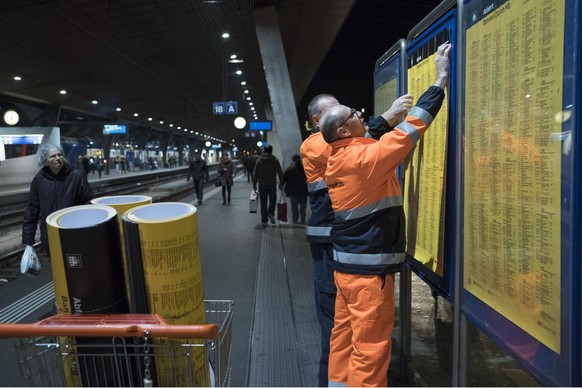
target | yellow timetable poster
x=424, y=178
x=384, y=96
x=513, y=90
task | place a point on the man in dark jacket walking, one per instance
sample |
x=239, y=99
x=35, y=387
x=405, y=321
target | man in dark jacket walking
x=198, y=170
x=267, y=168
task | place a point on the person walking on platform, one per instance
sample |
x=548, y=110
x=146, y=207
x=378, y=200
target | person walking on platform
x=315, y=152
x=56, y=186
x=368, y=239
x=86, y=165
x=249, y=164
x=198, y=170
x=99, y=167
x=267, y=169
x=296, y=188
x=189, y=162
x=226, y=173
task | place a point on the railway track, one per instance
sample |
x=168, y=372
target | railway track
x=11, y=249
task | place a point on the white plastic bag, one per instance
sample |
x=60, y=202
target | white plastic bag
x=30, y=262
x=254, y=204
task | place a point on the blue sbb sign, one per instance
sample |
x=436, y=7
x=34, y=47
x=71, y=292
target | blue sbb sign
x=225, y=108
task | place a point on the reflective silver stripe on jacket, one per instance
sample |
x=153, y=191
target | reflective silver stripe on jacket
x=384, y=203
x=412, y=131
x=317, y=185
x=369, y=258
x=320, y=231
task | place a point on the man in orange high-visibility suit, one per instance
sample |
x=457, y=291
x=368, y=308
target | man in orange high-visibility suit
x=315, y=152
x=368, y=237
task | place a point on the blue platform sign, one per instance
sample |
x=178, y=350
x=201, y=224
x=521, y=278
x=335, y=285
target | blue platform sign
x=231, y=107
x=218, y=108
x=225, y=108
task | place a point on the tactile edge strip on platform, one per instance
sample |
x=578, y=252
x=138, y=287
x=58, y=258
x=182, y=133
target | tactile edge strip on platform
x=277, y=358
x=300, y=276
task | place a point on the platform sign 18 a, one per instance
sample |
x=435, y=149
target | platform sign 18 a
x=225, y=108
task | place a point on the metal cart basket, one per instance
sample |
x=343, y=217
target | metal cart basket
x=124, y=349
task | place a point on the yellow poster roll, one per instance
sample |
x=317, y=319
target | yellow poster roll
x=163, y=254
x=86, y=258
x=87, y=267
x=122, y=203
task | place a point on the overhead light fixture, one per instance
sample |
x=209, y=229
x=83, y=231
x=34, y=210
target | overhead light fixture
x=17, y=78
x=63, y=91
x=243, y=83
x=150, y=119
x=135, y=115
x=161, y=121
x=246, y=91
x=225, y=35
x=94, y=102
x=238, y=72
x=240, y=122
x=118, y=109
x=236, y=61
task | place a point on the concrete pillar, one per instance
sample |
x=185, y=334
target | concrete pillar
x=285, y=123
x=272, y=137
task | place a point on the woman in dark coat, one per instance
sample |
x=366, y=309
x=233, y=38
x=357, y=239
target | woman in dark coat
x=226, y=173
x=296, y=188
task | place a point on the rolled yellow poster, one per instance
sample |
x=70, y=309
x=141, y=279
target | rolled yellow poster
x=88, y=276
x=165, y=276
x=122, y=203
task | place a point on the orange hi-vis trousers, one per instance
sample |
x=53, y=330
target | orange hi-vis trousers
x=361, y=339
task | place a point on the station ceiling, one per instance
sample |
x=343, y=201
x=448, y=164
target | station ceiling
x=167, y=60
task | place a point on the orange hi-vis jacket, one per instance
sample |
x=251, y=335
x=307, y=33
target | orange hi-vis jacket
x=314, y=153
x=369, y=234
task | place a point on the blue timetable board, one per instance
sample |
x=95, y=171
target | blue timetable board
x=389, y=82
x=388, y=78
x=521, y=185
x=429, y=176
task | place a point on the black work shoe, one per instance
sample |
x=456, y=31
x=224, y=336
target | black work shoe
x=271, y=218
